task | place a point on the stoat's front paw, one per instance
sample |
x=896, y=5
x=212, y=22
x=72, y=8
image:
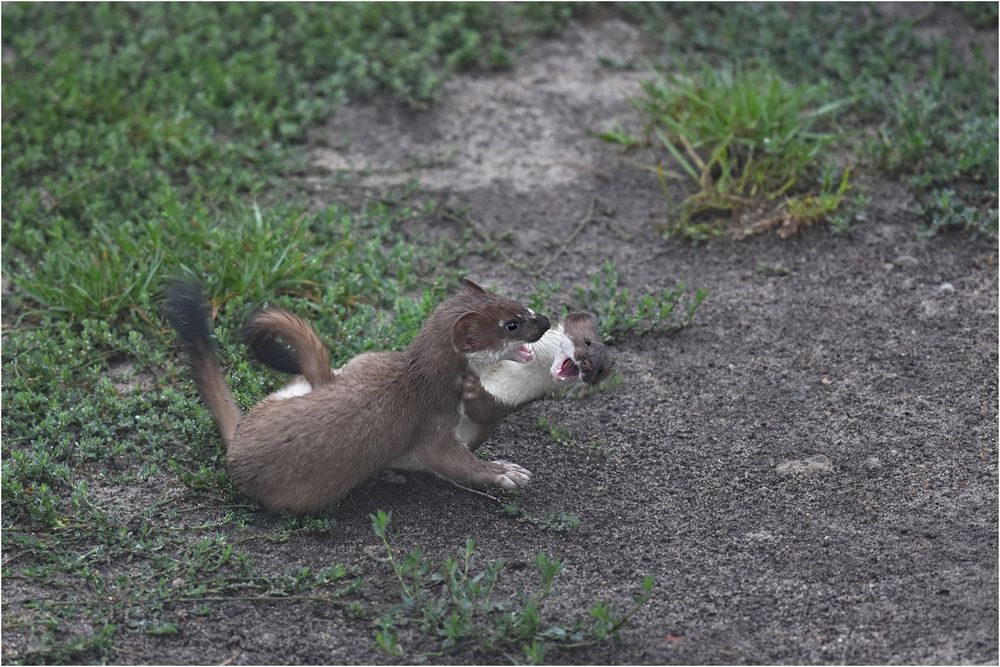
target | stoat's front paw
x=511, y=475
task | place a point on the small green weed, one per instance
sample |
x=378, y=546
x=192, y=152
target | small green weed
x=944, y=211
x=557, y=433
x=563, y=436
x=842, y=222
x=980, y=14
x=458, y=605
x=558, y=522
x=620, y=313
x=771, y=268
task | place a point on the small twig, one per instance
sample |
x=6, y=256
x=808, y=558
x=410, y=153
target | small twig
x=587, y=219
x=477, y=492
x=230, y=659
x=257, y=598
x=13, y=558
x=488, y=238
x=602, y=175
x=477, y=230
x=214, y=507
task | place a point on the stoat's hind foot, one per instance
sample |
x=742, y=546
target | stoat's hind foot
x=394, y=477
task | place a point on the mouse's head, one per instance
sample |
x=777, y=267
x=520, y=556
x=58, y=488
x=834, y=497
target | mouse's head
x=583, y=355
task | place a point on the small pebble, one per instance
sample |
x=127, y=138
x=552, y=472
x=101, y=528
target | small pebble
x=815, y=463
x=872, y=463
x=905, y=260
x=946, y=287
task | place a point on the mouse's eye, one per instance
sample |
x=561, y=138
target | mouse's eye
x=586, y=341
x=511, y=326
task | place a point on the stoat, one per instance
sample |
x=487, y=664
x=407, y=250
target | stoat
x=301, y=451
x=571, y=353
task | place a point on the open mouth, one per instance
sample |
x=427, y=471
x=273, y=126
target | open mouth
x=566, y=370
x=524, y=354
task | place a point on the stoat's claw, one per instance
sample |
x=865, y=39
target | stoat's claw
x=513, y=475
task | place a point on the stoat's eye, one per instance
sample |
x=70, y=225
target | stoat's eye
x=511, y=326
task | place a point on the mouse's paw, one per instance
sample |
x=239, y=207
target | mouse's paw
x=471, y=388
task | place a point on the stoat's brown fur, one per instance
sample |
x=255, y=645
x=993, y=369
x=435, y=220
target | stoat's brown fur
x=571, y=353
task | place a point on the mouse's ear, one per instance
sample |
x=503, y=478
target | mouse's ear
x=581, y=320
x=472, y=286
x=464, y=332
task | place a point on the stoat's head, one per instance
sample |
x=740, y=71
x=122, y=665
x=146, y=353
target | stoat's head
x=582, y=355
x=495, y=329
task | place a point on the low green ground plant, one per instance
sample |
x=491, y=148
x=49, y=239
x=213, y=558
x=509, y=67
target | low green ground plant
x=458, y=604
x=562, y=435
x=621, y=312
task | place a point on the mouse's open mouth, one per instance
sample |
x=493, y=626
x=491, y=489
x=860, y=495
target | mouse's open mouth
x=524, y=354
x=566, y=370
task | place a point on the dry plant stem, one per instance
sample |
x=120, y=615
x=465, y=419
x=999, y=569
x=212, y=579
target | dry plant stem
x=231, y=659
x=587, y=219
x=208, y=598
x=477, y=492
x=488, y=238
x=258, y=598
x=603, y=176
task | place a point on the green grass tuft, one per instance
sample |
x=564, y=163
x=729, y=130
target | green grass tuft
x=744, y=138
x=929, y=103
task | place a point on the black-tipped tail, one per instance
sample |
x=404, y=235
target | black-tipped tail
x=184, y=307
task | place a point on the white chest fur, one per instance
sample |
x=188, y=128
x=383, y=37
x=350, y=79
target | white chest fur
x=515, y=383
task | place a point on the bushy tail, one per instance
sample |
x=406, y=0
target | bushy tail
x=302, y=352
x=185, y=309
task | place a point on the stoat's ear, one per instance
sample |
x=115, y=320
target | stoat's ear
x=465, y=334
x=473, y=286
